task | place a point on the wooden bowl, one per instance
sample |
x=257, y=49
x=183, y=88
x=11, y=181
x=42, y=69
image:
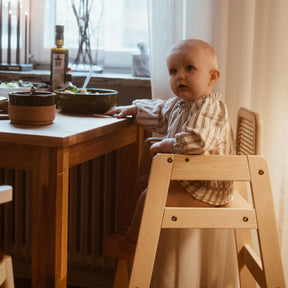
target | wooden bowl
x=36, y=109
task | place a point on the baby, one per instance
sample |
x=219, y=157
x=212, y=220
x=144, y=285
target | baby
x=195, y=121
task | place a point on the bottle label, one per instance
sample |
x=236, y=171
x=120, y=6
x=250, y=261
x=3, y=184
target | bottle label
x=58, y=64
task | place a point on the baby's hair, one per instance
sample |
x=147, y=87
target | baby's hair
x=188, y=43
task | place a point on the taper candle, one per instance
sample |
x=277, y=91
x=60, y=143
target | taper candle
x=18, y=34
x=1, y=31
x=9, y=33
x=26, y=32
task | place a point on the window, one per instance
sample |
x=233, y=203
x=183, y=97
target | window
x=124, y=23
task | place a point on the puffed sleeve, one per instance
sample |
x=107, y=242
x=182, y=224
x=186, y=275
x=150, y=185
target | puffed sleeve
x=153, y=114
x=205, y=128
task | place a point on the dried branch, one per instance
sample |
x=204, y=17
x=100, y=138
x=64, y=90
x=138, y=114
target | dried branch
x=82, y=16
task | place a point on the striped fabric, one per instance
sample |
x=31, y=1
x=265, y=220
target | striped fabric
x=199, y=126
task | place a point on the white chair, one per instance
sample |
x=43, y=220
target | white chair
x=6, y=268
x=241, y=215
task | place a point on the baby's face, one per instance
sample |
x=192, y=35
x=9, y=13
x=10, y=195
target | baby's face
x=190, y=73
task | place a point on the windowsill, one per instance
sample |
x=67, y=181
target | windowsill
x=128, y=86
x=77, y=76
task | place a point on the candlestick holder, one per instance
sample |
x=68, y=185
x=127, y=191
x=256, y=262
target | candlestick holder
x=16, y=67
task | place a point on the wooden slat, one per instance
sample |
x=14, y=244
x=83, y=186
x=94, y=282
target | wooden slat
x=243, y=236
x=232, y=168
x=267, y=233
x=253, y=263
x=183, y=217
x=151, y=222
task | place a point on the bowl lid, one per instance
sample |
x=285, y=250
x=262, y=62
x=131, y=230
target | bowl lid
x=38, y=98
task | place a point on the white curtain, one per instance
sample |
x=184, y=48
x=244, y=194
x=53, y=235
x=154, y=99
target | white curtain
x=251, y=40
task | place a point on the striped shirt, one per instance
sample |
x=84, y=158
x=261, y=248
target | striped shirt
x=200, y=126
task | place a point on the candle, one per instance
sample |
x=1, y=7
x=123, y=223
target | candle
x=26, y=31
x=18, y=34
x=9, y=33
x=1, y=31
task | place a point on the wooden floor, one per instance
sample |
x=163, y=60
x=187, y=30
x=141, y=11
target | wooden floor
x=103, y=282
x=77, y=278
x=24, y=283
x=21, y=283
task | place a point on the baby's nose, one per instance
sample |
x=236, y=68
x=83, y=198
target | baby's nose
x=181, y=75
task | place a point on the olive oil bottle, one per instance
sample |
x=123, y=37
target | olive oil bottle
x=59, y=60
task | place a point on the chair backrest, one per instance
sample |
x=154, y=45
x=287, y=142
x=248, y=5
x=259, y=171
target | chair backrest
x=248, y=133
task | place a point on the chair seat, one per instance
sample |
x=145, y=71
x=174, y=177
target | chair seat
x=6, y=267
x=237, y=216
x=5, y=193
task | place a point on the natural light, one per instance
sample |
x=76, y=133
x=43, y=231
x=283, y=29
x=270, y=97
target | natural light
x=112, y=27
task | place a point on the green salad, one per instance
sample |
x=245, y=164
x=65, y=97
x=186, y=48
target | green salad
x=16, y=84
x=75, y=90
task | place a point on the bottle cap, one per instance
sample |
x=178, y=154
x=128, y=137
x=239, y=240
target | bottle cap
x=59, y=36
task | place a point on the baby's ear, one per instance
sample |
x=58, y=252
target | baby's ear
x=214, y=76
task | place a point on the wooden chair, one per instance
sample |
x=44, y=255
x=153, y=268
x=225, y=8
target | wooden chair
x=241, y=215
x=6, y=268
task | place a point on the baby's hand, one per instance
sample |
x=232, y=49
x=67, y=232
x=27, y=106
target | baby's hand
x=122, y=111
x=164, y=146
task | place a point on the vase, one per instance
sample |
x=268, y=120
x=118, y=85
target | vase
x=90, y=54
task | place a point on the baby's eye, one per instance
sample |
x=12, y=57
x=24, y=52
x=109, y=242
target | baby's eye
x=190, y=68
x=172, y=71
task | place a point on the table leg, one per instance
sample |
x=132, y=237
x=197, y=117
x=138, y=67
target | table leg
x=49, y=217
x=127, y=169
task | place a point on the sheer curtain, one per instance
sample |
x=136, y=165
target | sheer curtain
x=251, y=41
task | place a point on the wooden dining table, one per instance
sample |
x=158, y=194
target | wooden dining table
x=48, y=151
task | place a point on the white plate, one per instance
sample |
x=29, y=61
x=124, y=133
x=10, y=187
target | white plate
x=4, y=91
